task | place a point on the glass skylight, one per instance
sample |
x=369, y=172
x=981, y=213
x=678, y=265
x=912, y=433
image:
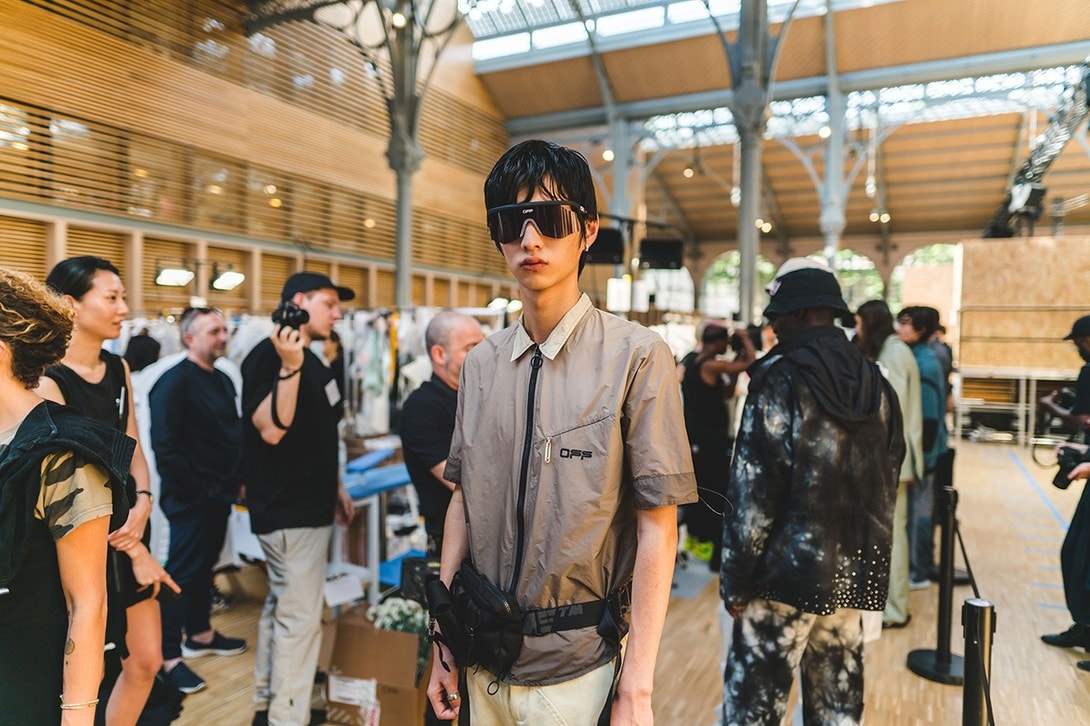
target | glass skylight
x=492, y=19
x=912, y=103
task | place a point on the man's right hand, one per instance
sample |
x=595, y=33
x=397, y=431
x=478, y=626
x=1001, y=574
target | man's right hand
x=444, y=684
x=1082, y=471
x=289, y=346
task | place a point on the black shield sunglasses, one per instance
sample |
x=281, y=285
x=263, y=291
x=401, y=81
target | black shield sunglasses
x=554, y=218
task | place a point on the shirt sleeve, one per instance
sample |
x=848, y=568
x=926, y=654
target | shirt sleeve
x=425, y=432
x=760, y=474
x=1082, y=392
x=259, y=373
x=453, y=470
x=73, y=492
x=167, y=404
x=656, y=445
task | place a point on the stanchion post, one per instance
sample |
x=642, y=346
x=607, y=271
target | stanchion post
x=978, y=622
x=939, y=665
x=946, y=573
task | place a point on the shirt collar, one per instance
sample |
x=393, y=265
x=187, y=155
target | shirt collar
x=555, y=342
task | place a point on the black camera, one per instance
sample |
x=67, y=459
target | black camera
x=290, y=315
x=1064, y=398
x=1067, y=458
x=735, y=343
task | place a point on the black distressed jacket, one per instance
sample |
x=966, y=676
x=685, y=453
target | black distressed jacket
x=814, y=479
x=48, y=428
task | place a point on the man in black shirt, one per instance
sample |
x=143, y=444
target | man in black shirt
x=427, y=418
x=293, y=489
x=1075, y=553
x=196, y=434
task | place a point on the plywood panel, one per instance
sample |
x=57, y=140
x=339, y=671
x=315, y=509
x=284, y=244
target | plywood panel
x=1019, y=298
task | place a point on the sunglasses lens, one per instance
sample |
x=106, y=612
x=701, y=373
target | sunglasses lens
x=506, y=225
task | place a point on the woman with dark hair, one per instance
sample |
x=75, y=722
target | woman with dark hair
x=878, y=342
x=97, y=384
x=60, y=475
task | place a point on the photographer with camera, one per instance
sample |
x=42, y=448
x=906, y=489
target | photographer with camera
x=707, y=385
x=293, y=489
x=1074, y=410
x=1075, y=554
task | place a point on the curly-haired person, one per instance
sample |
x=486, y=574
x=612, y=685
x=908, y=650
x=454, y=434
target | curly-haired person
x=60, y=476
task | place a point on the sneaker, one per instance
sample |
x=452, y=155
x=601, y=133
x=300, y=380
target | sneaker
x=919, y=584
x=184, y=679
x=1077, y=636
x=891, y=625
x=221, y=601
x=1083, y=665
x=220, y=645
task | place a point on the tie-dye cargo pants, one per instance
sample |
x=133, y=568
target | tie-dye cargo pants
x=770, y=640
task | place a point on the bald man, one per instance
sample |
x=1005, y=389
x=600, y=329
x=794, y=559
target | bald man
x=427, y=418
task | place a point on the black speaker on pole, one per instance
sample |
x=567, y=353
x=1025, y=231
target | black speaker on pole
x=662, y=253
x=608, y=249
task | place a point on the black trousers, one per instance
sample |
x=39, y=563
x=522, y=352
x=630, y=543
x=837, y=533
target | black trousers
x=195, y=543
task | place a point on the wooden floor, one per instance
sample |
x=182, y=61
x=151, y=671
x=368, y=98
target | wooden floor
x=1013, y=522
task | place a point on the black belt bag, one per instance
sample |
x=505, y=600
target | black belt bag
x=494, y=624
x=490, y=618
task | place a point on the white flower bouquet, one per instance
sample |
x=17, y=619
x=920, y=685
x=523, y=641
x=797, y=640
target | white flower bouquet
x=404, y=616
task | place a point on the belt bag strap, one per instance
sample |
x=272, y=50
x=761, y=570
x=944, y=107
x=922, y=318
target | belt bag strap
x=573, y=617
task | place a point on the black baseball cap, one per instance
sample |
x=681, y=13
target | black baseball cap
x=1081, y=329
x=807, y=287
x=308, y=281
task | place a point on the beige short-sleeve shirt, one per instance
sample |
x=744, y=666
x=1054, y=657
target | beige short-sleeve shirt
x=595, y=435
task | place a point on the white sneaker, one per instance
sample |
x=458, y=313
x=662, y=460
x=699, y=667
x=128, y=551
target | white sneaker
x=919, y=584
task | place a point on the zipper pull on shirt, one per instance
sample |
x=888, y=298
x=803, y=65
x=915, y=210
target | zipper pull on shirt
x=537, y=360
x=548, y=450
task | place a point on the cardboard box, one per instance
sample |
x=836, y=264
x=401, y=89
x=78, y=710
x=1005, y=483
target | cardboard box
x=372, y=676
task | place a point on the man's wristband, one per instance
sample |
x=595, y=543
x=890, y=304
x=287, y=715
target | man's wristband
x=146, y=493
x=290, y=375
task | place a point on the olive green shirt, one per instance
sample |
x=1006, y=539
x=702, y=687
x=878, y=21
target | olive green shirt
x=607, y=438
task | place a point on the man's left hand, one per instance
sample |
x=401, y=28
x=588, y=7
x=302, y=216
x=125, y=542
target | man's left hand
x=345, y=510
x=132, y=531
x=632, y=709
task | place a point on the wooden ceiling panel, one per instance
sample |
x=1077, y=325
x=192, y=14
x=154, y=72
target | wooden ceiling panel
x=923, y=30
x=689, y=66
x=548, y=88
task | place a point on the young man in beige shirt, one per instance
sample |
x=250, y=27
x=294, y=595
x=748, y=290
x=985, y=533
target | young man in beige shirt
x=570, y=458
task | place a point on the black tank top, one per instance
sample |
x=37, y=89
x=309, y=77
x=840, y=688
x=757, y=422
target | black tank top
x=106, y=401
x=705, y=406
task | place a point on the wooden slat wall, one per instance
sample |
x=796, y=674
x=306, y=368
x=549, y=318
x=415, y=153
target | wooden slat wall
x=384, y=289
x=441, y=291
x=22, y=245
x=159, y=253
x=221, y=258
x=168, y=112
x=107, y=245
x=419, y=290
x=275, y=270
x=355, y=279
